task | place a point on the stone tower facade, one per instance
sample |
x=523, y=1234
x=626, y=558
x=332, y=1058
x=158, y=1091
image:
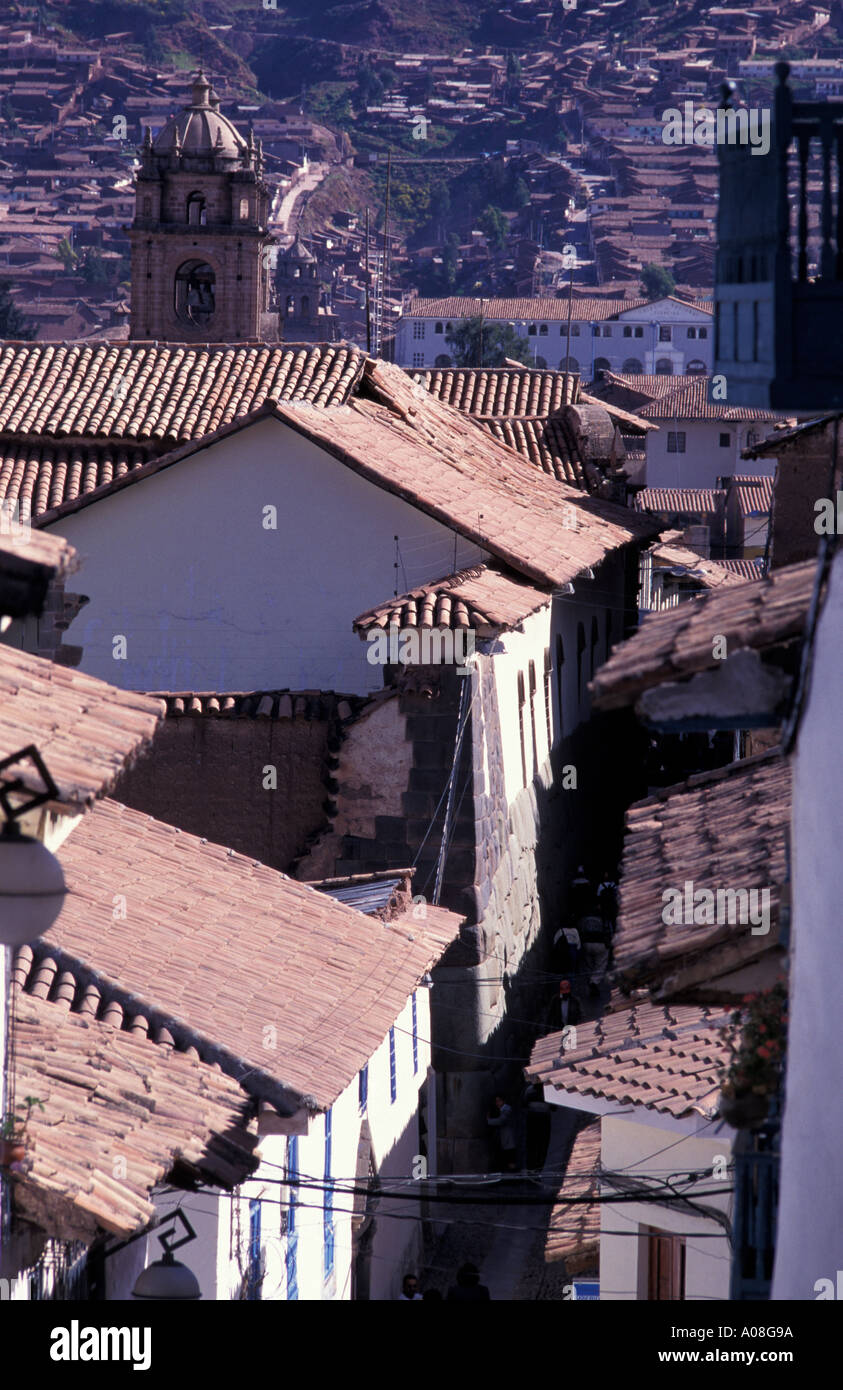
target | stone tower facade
x=303, y=318
x=200, y=259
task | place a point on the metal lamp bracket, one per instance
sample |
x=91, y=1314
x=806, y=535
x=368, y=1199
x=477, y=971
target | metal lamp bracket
x=50, y=793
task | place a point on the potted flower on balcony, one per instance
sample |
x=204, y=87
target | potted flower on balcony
x=755, y=1038
x=13, y=1133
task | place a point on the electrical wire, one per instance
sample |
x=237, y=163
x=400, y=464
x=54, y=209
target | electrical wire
x=300, y=1208
x=334, y=1187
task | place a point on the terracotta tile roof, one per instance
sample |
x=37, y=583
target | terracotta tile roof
x=684, y=501
x=754, y=494
x=393, y=433
x=679, y=641
x=549, y=310
x=41, y=475
x=725, y=829
x=224, y=948
x=651, y=385
x=573, y=1232
x=111, y=1095
x=782, y=435
x=546, y=443
x=498, y=391
x=710, y=574
x=259, y=704
x=37, y=548
x=173, y=392
x=665, y=1058
x=624, y=419
x=29, y=560
x=85, y=730
x=481, y=598
x=684, y=398
x=428, y=453
x=516, y=407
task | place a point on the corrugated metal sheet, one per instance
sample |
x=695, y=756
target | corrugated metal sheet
x=366, y=897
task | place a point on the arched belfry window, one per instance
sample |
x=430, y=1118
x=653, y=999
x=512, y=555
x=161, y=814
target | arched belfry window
x=305, y=305
x=196, y=211
x=195, y=293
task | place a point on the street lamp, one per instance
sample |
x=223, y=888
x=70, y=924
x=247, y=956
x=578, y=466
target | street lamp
x=32, y=886
x=166, y=1280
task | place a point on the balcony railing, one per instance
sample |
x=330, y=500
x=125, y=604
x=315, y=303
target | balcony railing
x=756, y=1200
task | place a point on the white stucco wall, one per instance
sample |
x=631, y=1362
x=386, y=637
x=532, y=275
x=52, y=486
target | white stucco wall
x=180, y=565
x=810, y=1219
x=634, y=1148
x=513, y=652
x=221, y=1220
x=704, y=459
x=610, y=342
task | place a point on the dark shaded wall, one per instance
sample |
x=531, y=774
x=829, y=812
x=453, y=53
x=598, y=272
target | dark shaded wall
x=206, y=774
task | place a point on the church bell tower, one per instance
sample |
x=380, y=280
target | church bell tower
x=200, y=244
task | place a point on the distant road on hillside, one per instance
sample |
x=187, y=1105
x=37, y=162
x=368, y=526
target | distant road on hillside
x=289, y=210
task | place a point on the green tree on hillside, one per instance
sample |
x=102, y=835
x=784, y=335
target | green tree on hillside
x=370, y=90
x=494, y=225
x=521, y=194
x=657, y=282
x=66, y=254
x=12, y=322
x=94, y=268
x=440, y=201
x=479, y=343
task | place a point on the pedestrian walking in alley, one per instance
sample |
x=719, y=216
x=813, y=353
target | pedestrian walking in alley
x=468, y=1288
x=595, y=939
x=582, y=894
x=409, y=1290
x=607, y=900
x=566, y=950
x=607, y=904
x=501, y=1118
x=564, y=1009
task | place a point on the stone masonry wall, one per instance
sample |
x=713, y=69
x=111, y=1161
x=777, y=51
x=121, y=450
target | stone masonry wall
x=206, y=774
x=44, y=635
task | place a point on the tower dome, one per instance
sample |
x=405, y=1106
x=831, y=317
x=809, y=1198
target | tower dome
x=200, y=128
x=200, y=234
